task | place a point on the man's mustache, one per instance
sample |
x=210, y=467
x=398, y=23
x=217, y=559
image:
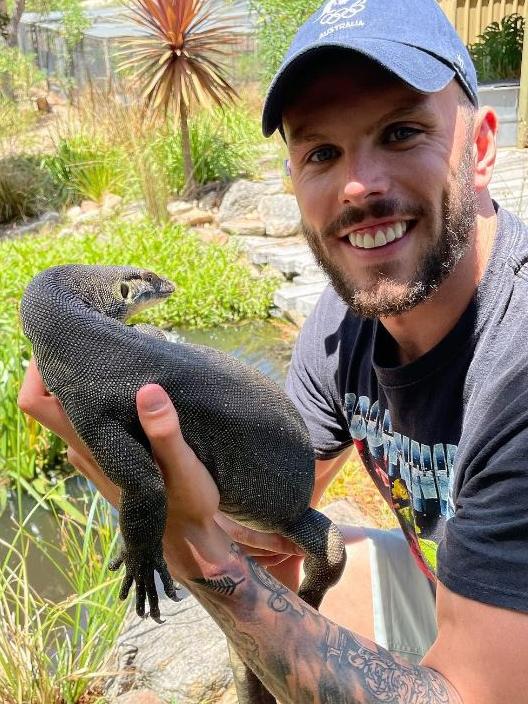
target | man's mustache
x=385, y=208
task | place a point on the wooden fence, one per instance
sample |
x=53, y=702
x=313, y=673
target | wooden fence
x=471, y=17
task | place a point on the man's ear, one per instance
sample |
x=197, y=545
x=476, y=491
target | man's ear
x=485, y=146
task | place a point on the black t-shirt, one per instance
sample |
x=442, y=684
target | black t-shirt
x=445, y=438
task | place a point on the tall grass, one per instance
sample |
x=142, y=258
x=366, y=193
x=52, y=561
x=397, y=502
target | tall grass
x=224, y=145
x=86, y=168
x=52, y=653
x=106, y=144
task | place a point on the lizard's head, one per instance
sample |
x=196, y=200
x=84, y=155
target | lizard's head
x=136, y=289
x=116, y=291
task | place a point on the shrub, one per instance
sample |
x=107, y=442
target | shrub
x=19, y=75
x=224, y=145
x=497, y=53
x=26, y=188
x=84, y=167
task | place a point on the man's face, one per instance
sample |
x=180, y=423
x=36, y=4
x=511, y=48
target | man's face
x=384, y=180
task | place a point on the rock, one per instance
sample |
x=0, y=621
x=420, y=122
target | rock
x=179, y=207
x=184, y=658
x=49, y=218
x=73, y=213
x=244, y=226
x=43, y=104
x=280, y=214
x=44, y=220
x=291, y=297
x=111, y=201
x=210, y=235
x=242, y=199
x=194, y=216
x=88, y=216
x=139, y=696
x=210, y=201
x=88, y=206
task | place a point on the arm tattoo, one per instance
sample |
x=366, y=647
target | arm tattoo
x=379, y=674
x=223, y=585
x=301, y=656
x=277, y=601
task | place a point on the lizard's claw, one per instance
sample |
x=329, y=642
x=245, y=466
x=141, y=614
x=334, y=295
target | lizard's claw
x=140, y=568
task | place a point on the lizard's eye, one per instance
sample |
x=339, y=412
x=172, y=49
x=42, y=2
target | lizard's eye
x=124, y=290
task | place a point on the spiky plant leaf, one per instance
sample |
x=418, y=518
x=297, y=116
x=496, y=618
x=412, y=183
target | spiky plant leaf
x=179, y=58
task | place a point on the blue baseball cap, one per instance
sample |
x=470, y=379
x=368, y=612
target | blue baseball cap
x=411, y=38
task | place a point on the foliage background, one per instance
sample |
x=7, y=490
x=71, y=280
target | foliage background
x=497, y=54
x=278, y=22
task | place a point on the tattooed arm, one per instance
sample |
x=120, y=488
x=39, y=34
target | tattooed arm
x=298, y=654
x=301, y=656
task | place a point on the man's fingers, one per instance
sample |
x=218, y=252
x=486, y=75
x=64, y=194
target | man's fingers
x=160, y=422
x=187, y=480
x=36, y=401
x=255, y=542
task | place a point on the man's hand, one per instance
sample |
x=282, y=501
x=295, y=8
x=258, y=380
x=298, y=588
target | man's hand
x=35, y=400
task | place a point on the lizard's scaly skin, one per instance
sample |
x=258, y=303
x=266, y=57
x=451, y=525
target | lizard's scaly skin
x=240, y=424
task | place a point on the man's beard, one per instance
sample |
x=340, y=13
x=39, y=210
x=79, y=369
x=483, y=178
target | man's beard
x=387, y=294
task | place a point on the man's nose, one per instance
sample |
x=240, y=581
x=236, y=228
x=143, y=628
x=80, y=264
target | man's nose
x=363, y=178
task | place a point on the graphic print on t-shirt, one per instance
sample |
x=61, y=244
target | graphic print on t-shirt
x=413, y=477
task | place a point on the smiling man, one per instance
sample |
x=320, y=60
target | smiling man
x=416, y=355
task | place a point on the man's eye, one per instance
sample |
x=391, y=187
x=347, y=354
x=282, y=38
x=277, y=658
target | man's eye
x=401, y=133
x=322, y=154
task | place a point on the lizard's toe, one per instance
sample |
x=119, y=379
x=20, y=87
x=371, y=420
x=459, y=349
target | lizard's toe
x=116, y=563
x=168, y=584
x=125, y=586
x=141, y=596
x=152, y=595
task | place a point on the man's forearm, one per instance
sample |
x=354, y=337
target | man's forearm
x=301, y=656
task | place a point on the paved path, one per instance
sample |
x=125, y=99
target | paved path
x=297, y=298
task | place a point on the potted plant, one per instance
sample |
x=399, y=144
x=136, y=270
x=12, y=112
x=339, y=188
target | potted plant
x=497, y=55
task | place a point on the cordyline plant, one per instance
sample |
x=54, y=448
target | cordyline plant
x=178, y=61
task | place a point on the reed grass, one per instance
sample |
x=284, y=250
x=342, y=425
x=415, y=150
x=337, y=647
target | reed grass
x=55, y=653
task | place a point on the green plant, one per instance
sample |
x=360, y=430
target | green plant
x=87, y=168
x=178, y=61
x=278, y=21
x=497, y=53
x=26, y=188
x=224, y=144
x=52, y=653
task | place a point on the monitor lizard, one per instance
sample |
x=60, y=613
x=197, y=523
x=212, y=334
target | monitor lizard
x=241, y=425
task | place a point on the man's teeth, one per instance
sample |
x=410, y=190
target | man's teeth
x=383, y=236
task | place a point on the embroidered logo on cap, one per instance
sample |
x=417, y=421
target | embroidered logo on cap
x=340, y=10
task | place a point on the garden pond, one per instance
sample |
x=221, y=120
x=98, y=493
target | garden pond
x=264, y=345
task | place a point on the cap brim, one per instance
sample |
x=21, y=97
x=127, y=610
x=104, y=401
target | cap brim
x=417, y=68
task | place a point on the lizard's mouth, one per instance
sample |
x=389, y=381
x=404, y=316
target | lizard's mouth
x=166, y=288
